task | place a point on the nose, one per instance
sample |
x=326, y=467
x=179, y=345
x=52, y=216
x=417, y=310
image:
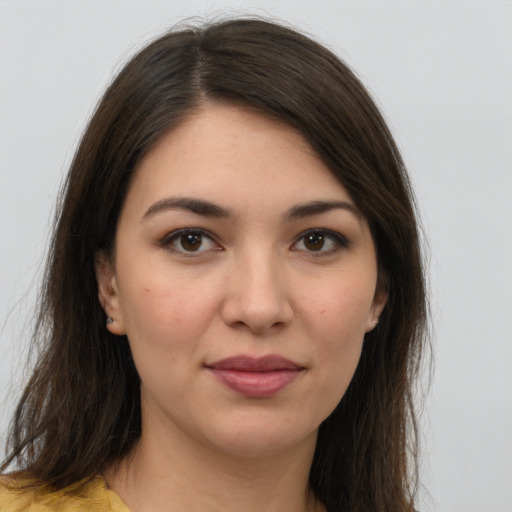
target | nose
x=257, y=294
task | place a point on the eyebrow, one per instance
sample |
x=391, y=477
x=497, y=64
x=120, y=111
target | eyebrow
x=317, y=207
x=209, y=209
x=198, y=206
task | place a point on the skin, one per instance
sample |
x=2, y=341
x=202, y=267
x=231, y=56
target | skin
x=252, y=285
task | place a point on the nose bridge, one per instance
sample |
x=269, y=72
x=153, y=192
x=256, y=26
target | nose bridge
x=257, y=291
x=258, y=270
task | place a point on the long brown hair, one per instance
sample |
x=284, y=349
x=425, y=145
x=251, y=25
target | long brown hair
x=80, y=411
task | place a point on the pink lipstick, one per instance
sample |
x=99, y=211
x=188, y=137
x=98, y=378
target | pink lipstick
x=256, y=377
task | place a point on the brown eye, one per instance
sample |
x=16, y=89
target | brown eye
x=320, y=242
x=314, y=241
x=191, y=241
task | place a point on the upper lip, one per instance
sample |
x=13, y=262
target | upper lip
x=242, y=363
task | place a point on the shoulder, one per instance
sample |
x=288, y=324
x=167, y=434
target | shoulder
x=22, y=495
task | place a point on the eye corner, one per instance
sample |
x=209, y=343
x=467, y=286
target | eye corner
x=323, y=242
x=174, y=242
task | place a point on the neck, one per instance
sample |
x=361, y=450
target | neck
x=181, y=474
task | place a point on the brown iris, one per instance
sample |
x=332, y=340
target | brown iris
x=191, y=241
x=314, y=241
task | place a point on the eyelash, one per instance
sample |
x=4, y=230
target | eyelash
x=168, y=241
x=337, y=239
x=339, y=242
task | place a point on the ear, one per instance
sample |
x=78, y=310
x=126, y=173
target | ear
x=108, y=293
x=379, y=301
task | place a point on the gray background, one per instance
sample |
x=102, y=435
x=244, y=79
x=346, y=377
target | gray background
x=441, y=72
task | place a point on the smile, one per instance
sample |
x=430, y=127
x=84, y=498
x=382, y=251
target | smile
x=256, y=377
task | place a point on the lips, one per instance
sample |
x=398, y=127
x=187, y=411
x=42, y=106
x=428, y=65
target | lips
x=256, y=377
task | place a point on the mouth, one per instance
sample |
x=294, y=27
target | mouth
x=256, y=377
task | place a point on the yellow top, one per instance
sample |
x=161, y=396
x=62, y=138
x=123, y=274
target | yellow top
x=86, y=496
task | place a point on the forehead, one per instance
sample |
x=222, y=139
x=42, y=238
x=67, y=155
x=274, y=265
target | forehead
x=237, y=157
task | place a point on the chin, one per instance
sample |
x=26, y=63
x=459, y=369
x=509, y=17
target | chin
x=257, y=438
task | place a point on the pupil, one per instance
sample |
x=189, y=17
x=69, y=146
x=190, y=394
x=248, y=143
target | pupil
x=314, y=241
x=191, y=241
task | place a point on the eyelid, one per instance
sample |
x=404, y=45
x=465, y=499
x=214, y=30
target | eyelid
x=340, y=241
x=167, y=241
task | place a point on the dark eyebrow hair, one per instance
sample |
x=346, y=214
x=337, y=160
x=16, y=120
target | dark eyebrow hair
x=209, y=209
x=198, y=206
x=316, y=207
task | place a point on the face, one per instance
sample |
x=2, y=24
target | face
x=245, y=279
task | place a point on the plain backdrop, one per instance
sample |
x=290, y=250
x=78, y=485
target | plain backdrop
x=442, y=74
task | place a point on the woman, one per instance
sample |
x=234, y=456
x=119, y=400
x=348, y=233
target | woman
x=234, y=306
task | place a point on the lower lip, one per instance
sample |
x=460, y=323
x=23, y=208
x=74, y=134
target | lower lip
x=256, y=384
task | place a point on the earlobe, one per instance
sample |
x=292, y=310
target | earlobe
x=378, y=304
x=108, y=294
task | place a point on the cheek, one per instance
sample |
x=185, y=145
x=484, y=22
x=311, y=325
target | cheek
x=336, y=319
x=340, y=309
x=166, y=312
x=166, y=322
